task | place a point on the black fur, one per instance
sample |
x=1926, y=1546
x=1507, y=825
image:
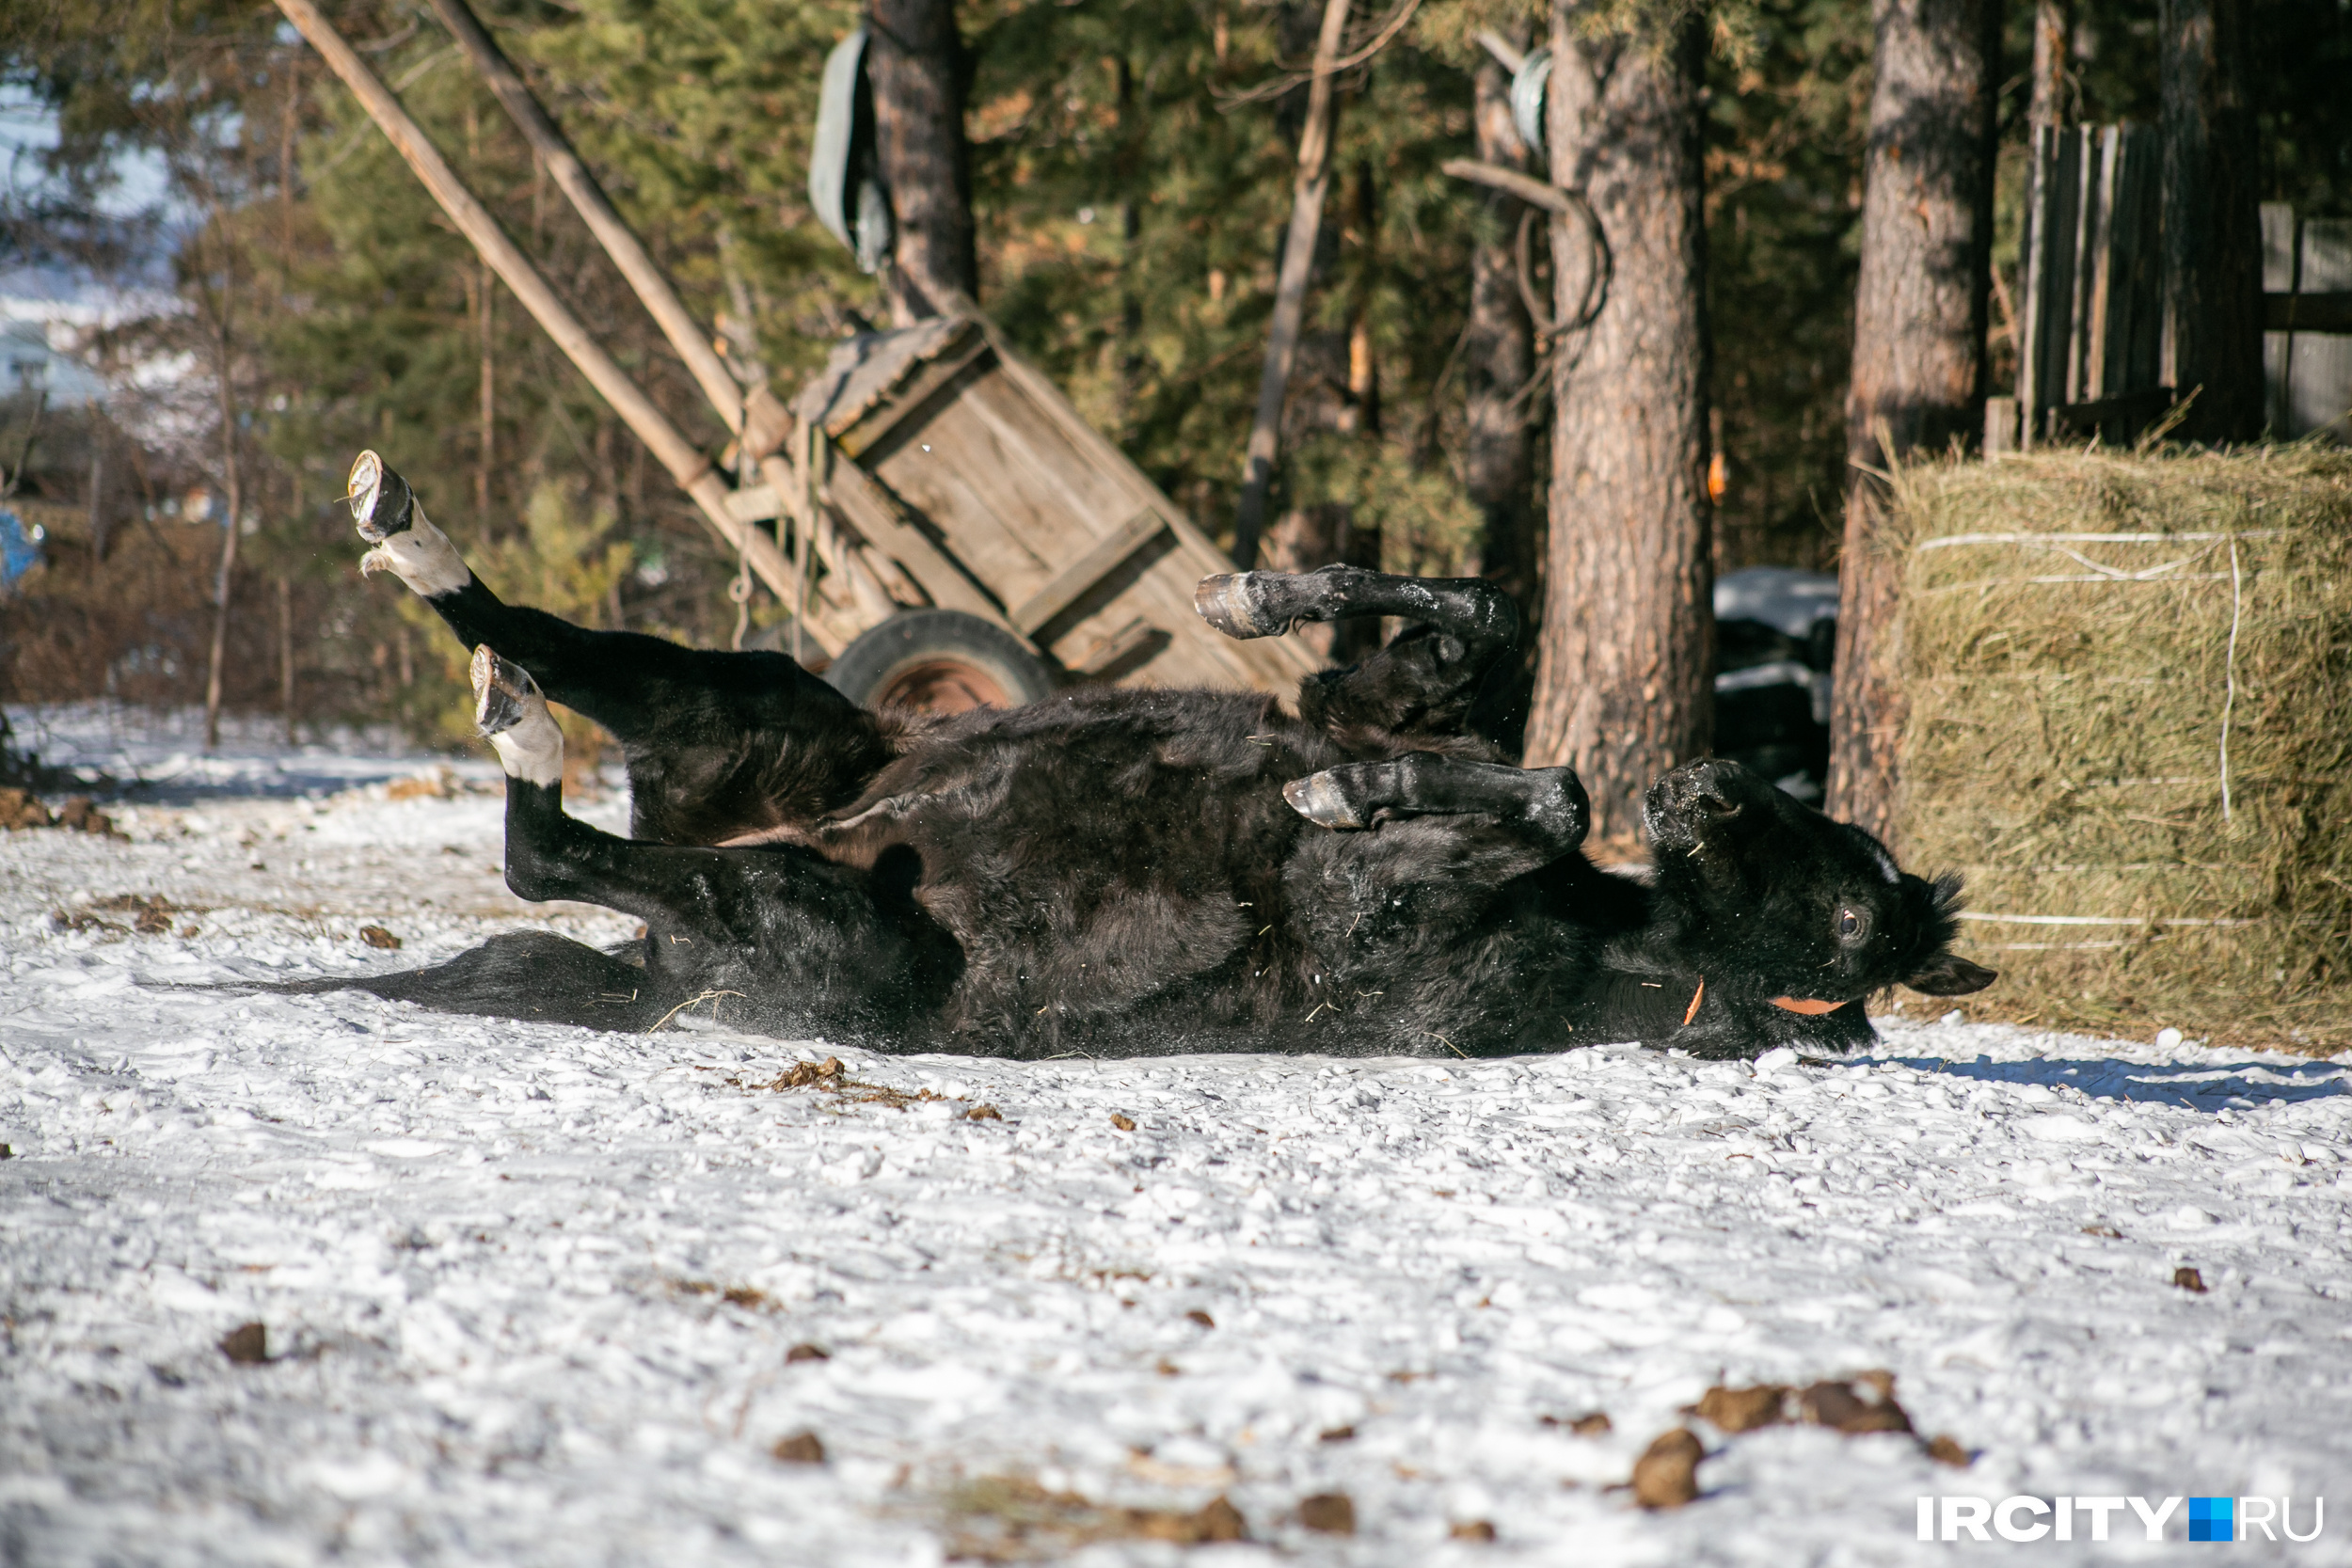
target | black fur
x=1120, y=872
x=717, y=744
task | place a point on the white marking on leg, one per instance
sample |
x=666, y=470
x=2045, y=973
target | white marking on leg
x=532, y=750
x=420, y=556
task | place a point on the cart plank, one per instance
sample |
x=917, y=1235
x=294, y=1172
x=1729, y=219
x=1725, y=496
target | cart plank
x=967, y=465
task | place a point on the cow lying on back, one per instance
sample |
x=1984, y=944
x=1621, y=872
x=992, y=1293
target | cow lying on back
x=1145, y=871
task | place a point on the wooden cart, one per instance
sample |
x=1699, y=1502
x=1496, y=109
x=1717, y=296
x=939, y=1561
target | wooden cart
x=952, y=473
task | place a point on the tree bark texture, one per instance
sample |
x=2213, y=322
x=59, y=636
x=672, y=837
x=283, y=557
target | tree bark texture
x=1624, y=667
x=917, y=65
x=1498, y=351
x=2213, y=303
x=2053, y=52
x=1919, y=342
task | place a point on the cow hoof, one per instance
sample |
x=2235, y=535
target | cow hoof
x=1234, y=603
x=385, y=511
x=1321, y=799
x=381, y=503
x=509, y=710
x=503, y=693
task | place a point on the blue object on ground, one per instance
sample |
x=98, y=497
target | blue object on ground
x=20, y=546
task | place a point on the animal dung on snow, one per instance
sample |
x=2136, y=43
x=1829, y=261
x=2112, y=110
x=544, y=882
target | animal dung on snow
x=1666, y=1475
x=1592, y=1424
x=805, y=1074
x=1009, y=1518
x=19, y=809
x=800, y=1448
x=1742, y=1409
x=1122, y=1121
x=1865, y=1402
x=247, y=1345
x=78, y=814
x=1328, y=1512
x=1841, y=1407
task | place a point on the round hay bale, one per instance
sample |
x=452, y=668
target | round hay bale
x=2129, y=683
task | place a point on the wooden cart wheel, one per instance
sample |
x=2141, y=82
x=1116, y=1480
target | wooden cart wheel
x=939, y=662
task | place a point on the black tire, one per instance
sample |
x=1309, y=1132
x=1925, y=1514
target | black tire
x=942, y=661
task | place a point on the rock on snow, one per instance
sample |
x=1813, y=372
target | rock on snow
x=534, y=1295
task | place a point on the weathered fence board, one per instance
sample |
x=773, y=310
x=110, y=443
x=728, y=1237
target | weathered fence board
x=2092, y=314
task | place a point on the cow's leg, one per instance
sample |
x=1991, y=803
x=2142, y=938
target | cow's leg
x=778, y=939
x=717, y=743
x=536, y=975
x=1430, y=931
x=1422, y=685
x=1541, y=810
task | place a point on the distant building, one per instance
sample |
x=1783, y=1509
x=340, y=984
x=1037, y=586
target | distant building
x=31, y=363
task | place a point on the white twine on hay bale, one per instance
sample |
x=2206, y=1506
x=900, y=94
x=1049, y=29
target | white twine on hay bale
x=2229, y=675
x=2101, y=572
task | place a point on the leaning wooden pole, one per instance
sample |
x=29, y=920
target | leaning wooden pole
x=587, y=197
x=685, y=462
x=1289, y=289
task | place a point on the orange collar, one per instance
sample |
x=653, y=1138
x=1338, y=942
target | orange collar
x=1806, y=1005
x=1810, y=1006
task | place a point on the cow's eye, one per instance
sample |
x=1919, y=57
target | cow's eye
x=1851, y=925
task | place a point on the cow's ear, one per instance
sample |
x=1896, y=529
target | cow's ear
x=1948, y=974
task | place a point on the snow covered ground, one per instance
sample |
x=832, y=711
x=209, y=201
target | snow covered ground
x=534, y=1295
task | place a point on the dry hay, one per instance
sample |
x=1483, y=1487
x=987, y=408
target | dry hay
x=1014, y=1519
x=2130, y=727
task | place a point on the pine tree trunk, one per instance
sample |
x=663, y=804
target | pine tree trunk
x=232, y=483
x=2213, y=303
x=285, y=655
x=1918, y=353
x=1627, y=651
x=917, y=65
x=96, y=491
x=1497, y=352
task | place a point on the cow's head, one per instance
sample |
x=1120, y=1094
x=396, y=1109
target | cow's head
x=1791, y=907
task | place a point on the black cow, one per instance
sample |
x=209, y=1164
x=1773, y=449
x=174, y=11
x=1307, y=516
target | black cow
x=1130, y=872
